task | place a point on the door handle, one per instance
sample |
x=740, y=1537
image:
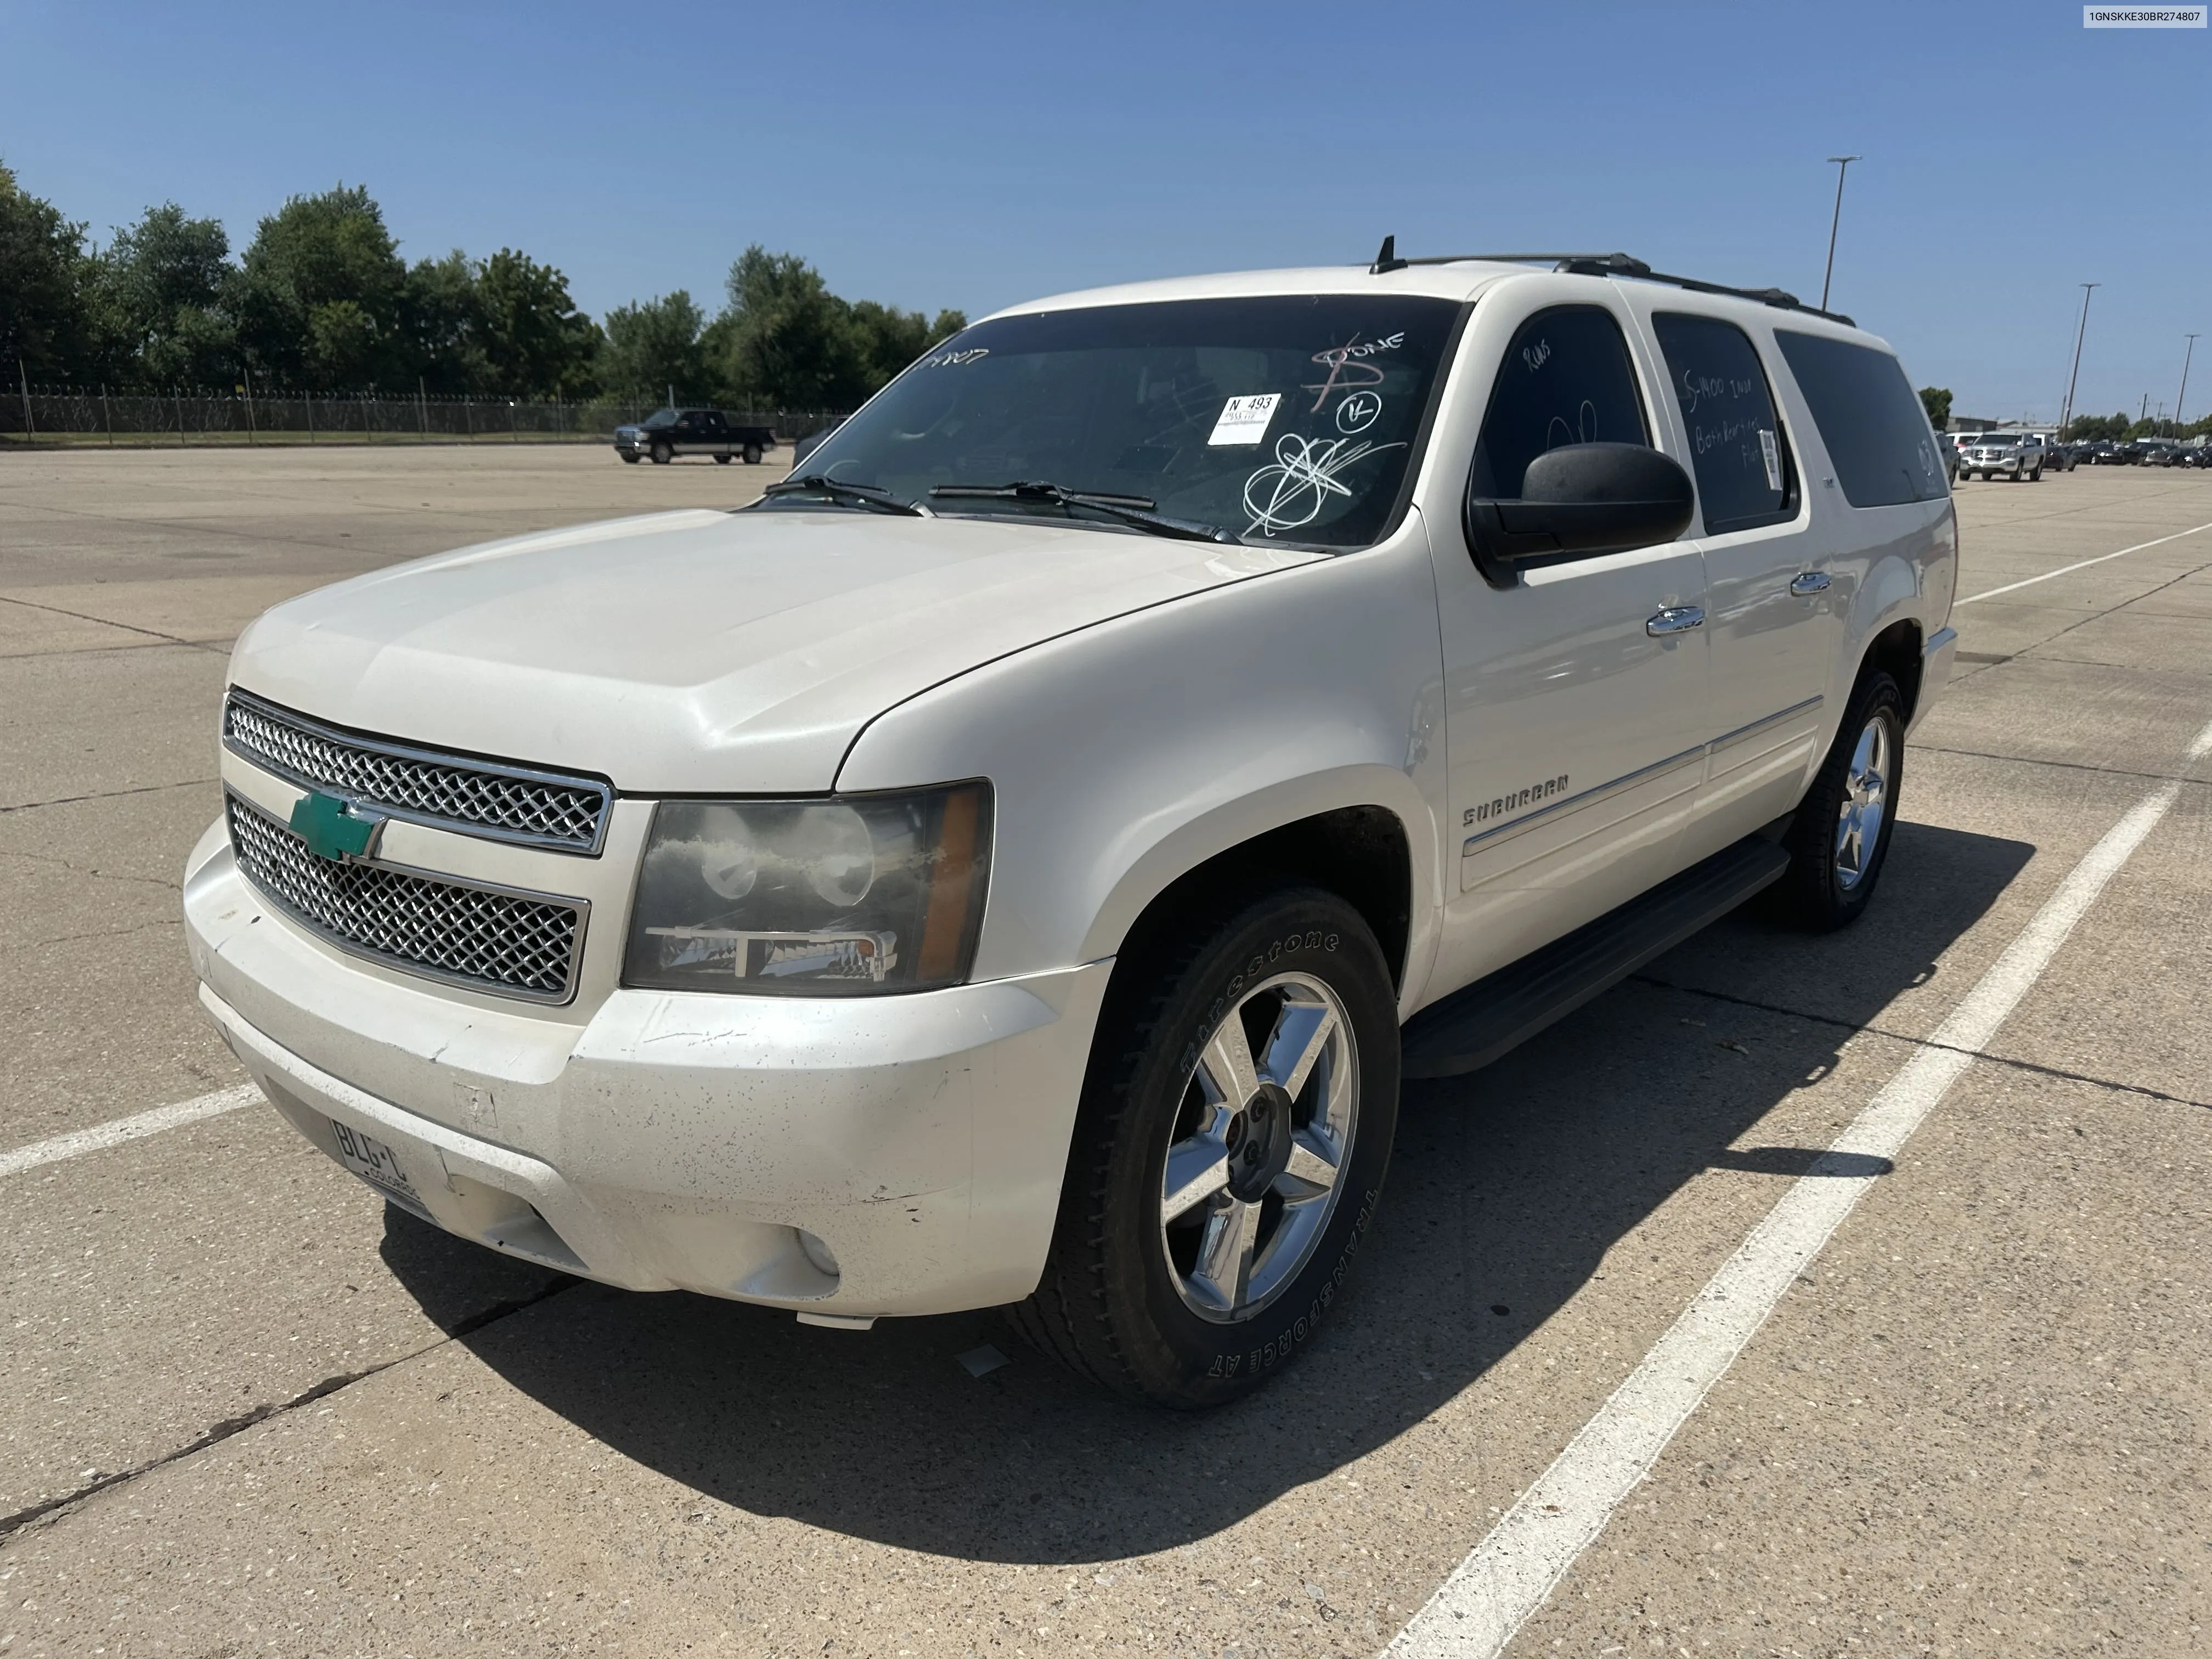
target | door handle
x=1674, y=619
x=1813, y=581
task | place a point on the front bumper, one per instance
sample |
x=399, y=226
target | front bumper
x=659, y=1141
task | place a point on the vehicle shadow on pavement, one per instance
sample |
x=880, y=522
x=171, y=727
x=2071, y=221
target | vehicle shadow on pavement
x=1508, y=1191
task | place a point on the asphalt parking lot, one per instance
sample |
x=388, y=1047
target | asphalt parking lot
x=243, y=1409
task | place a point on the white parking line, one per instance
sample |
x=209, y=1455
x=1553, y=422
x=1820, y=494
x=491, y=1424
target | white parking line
x=2067, y=569
x=126, y=1129
x=1509, y=1575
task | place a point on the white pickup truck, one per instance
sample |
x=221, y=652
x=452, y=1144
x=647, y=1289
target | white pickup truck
x=1016, y=862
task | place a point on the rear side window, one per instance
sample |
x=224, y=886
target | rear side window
x=1744, y=475
x=1876, y=429
x=1566, y=380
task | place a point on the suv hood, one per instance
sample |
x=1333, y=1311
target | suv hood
x=704, y=650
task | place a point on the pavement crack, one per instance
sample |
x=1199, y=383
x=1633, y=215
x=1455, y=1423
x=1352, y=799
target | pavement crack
x=97, y=875
x=1857, y=1027
x=109, y=933
x=128, y=627
x=108, y=794
x=2071, y=765
x=216, y=1433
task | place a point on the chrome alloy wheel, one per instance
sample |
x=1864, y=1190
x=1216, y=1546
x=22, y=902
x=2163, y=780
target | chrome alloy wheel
x=1258, y=1147
x=1866, y=800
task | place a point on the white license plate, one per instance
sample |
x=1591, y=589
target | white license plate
x=374, y=1162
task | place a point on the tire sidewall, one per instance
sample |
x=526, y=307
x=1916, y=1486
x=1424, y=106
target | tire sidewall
x=1878, y=696
x=1176, y=1353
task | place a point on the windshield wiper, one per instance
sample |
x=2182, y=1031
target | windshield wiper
x=814, y=483
x=1129, y=509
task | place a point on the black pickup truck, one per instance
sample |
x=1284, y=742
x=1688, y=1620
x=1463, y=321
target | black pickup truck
x=667, y=433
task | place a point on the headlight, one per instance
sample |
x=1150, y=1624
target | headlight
x=841, y=897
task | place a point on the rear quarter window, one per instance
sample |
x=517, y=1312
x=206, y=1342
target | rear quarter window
x=1744, y=478
x=1876, y=431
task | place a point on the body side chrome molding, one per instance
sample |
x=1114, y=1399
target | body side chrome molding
x=1643, y=774
x=1727, y=738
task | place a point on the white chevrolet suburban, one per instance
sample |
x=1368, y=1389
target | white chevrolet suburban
x=1015, y=862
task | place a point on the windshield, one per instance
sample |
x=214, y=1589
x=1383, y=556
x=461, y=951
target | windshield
x=1286, y=418
x=658, y=419
x=1997, y=440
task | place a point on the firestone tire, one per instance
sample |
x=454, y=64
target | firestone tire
x=1839, y=838
x=1191, y=1301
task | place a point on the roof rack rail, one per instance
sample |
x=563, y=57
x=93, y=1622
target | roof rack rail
x=1605, y=264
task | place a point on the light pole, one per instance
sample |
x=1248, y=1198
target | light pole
x=1843, y=164
x=2186, y=355
x=2066, y=414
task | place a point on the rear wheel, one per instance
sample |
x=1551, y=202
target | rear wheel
x=1235, y=1129
x=752, y=454
x=1839, y=836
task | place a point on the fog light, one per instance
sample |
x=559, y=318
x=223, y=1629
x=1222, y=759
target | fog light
x=819, y=1253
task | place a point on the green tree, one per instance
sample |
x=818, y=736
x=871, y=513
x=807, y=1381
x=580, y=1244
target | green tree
x=159, y=298
x=653, y=346
x=2094, y=428
x=444, y=314
x=321, y=297
x=891, y=338
x=537, y=342
x=46, y=315
x=1936, y=400
x=785, y=340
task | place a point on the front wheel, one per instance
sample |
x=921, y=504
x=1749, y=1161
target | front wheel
x=662, y=454
x=1235, y=1128
x=2036, y=476
x=752, y=454
x=722, y=460
x=627, y=457
x=1839, y=836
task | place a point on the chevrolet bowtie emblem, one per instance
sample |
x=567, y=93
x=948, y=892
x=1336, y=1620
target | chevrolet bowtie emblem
x=335, y=830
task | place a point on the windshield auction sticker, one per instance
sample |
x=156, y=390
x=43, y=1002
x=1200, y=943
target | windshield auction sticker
x=1245, y=420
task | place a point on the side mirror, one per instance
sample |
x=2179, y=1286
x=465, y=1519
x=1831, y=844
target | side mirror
x=1586, y=499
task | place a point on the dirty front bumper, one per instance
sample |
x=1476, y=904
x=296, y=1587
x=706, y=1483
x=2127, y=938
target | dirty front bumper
x=664, y=1141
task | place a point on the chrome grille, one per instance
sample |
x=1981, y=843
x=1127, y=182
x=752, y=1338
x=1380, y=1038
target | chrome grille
x=453, y=792
x=513, y=943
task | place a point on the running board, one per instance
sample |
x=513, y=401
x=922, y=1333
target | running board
x=1474, y=1026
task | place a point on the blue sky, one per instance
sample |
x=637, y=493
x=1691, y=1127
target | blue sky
x=975, y=155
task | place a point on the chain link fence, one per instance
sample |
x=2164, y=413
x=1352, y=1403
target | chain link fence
x=75, y=416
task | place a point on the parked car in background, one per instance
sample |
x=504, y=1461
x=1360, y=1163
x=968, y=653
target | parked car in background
x=667, y=433
x=2159, y=452
x=2014, y=455
x=2198, y=454
x=802, y=448
x=2061, y=457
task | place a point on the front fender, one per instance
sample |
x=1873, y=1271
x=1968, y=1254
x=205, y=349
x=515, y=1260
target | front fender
x=1122, y=755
